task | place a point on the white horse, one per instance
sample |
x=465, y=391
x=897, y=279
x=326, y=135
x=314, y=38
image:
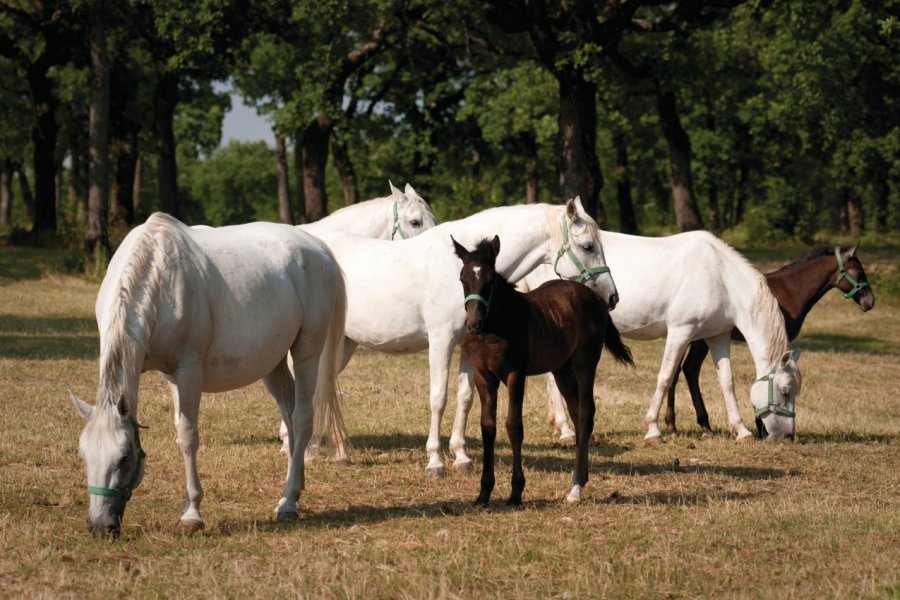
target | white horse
x=212, y=310
x=400, y=216
x=404, y=297
x=689, y=287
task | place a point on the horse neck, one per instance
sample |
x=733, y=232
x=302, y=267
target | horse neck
x=799, y=286
x=525, y=243
x=505, y=305
x=367, y=219
x=762, y=324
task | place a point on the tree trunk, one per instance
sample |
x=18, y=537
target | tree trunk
x=298, y=175
x=345, y=170
x=97, y=235
x=6, y=193
x=627, y=219
x=855, y=216
x=314, y=154
x=529, y=150
x=164, y=101
x=579, y=170
x=25, y=190
x=77, y=184
x=687, y=216
x=126, y=169
x=136, y=188
x=43, y=137
x=284, y=189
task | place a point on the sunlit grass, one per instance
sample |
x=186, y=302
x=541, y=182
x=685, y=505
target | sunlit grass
x=691, y=518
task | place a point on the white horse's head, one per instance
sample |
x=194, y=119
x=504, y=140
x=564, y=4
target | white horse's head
x=410, y=214
x=774, y=397
x=110, y=447
x=580, y=257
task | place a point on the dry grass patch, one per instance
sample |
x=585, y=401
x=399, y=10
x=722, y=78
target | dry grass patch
x=691, y=518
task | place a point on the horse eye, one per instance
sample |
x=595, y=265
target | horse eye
x=588, y=247
x=416, y=223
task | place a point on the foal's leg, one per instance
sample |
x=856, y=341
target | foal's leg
x=462, y=462
x=515, y=384
x=440, y=351
x=577, y=386
x=186, y=385
x=487, y=391
x=676, y=343
x=557, y=415
x=720, y=346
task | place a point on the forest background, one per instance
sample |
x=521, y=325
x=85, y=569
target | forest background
x=763, y=121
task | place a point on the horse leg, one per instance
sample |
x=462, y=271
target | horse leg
x=461, y=461
x=186, y=386
x=439, y=354
x=676, y=344
x=583, y=414
x=487, y=392
x=515, y=385
x=557, y=415
x=671, y=429
x=691, y=368
x=720, y=346
x=280, y=384
x=306, y=353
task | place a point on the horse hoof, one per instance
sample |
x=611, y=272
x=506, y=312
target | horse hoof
x=567, y=441
x=746, y=439
x=653, y=441
x=342, y=462
x=287, y=517
x=706, y=434
x=188, y=527
x=574, y=495
x=481, y=502
x=463, y=466
x=514, y=502
x=436, y=472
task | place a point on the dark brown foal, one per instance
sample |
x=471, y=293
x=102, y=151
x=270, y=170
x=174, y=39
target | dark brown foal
x=561, y=327
x=797, y=287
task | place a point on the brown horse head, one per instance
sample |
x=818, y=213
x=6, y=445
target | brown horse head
x=479, y=278
x=851, y=279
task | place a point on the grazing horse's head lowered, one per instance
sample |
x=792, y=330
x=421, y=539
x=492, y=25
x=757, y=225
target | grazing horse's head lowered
x=774, y=395
x=110, y=447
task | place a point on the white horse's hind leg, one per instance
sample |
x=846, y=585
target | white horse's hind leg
x=280, y=383
x=720, y=348
x=186, y=389
x=439, y=353
x=463, y=404
x=676, y=343
x=557, y=415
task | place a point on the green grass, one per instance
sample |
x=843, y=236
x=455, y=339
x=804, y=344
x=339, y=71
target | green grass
x=691, y=518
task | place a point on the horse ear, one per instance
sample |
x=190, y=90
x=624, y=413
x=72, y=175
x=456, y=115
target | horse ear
x=461, y=251
x=852, y=251
x=789, y=355
x=409, y=191
x=81, y=406
x=795, y=354
x=397, y=194
x=574, y=208
x=122, y=407
x=495, y=246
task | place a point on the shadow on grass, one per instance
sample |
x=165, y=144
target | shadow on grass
x=827, y=342
x=48, y=338
x=847, y=437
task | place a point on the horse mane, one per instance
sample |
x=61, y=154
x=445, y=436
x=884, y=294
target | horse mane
x=812, y=255
x=763, y=306
x=132, y=313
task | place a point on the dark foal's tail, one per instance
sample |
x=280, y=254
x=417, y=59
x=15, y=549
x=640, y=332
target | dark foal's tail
x=613, y=342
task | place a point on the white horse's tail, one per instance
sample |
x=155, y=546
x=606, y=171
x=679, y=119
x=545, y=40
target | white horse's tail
x=326, y=401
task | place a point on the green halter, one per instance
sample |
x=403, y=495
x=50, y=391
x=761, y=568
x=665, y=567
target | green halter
x=397, y=229
x=843, y=274
x=771, y=407
x=583, y=272
x=487, y=303
x=123, y=492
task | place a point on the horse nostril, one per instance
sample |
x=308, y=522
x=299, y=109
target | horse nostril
x=613, y=300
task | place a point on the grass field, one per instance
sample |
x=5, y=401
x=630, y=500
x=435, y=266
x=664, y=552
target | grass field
x=819, y=518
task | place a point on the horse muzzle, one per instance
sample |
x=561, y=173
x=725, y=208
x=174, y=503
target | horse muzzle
x=613, y=300
x=110, y=527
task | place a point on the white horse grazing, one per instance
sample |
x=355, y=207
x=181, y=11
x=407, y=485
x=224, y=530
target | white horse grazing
x=398, y=216
x=693, y=286
x=404, y=297
x=212, y=310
